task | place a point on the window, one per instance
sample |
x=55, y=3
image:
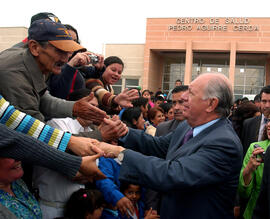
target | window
x=174, y=69
x=249, y=74
x=117, y=87
x=131, y=83
x=206, y=62
x=128, y=83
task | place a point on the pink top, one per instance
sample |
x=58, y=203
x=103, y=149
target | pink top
x=151, y=103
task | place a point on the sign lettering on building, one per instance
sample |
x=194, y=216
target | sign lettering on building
x=213, y=24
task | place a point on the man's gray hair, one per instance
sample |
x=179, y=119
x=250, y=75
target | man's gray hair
x=220, y=88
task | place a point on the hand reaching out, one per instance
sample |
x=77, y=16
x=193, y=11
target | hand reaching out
x=124, y=98
x=85, y=110
x=123, y=205
x=89, y=168
x=84, y=146
x=151, y=214
x=112, y=129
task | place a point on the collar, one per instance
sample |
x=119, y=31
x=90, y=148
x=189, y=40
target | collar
x=107, y=87
x=34, y=72
x=200, y=128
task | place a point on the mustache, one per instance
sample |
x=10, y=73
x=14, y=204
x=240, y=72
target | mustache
x=59, y=64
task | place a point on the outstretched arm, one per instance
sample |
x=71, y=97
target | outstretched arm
x=125, y=98
x=21, y=122
x=26, y=124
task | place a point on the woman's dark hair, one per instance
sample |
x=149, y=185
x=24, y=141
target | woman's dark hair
x=166, y=106
x=82, y=202
x=129, y=114
x=113, y=59
x=264, y=135
x=243, y=111
x=153, y=111
x=69, y=27
x=159, y=98
x=145, y=91
x=158, y=93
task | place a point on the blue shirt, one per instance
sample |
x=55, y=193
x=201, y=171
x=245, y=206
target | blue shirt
x=200, y=128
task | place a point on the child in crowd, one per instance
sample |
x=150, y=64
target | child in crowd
x=133, y=193
x=146, y=94
x=84, y=204
x=133, y=117
x=159, y=100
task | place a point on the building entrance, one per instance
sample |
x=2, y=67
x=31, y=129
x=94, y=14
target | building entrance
x=174, y=69
x=249, y=75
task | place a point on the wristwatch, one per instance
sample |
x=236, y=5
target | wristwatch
x=120, y=156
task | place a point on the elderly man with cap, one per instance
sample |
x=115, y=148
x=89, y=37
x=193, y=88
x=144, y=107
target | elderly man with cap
x=39, y=16
x=22, y=73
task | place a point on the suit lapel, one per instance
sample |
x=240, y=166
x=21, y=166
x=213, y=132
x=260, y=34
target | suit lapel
x=194, y=143
x=177, y=138
x=257, y=126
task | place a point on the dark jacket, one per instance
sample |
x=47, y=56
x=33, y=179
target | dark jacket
x=71, y=79
x=250, y=132
x=167, y=127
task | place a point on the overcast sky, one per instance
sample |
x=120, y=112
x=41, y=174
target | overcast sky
x=123, y=21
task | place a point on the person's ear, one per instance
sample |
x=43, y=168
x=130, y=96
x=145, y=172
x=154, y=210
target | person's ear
x=212, y=104
x=34, y=47
x=134, y=122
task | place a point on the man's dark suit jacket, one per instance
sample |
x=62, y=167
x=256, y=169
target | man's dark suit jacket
x=153, y=198
x=262, y=209
x=198, y=179
x=250, y=132
x=166, y=127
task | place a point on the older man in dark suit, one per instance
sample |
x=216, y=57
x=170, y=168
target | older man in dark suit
x=197, y=166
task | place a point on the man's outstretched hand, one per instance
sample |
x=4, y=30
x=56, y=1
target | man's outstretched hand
x=83, y=109
x=83, y=146
x=89, y=168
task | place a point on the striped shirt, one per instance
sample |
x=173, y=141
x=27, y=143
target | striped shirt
x=26, y=124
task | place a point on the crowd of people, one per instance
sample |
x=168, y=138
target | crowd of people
x=70, y=148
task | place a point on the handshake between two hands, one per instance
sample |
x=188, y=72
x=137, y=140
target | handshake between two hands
x=105, y=149
x=89, y=169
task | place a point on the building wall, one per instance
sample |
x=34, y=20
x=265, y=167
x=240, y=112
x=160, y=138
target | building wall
x=188, y=35
x=155, y=71
x=233, y=35
x=132, y=56
x=11, y=35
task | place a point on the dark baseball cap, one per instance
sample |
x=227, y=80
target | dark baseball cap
x=55, y=33
x=45, y=15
